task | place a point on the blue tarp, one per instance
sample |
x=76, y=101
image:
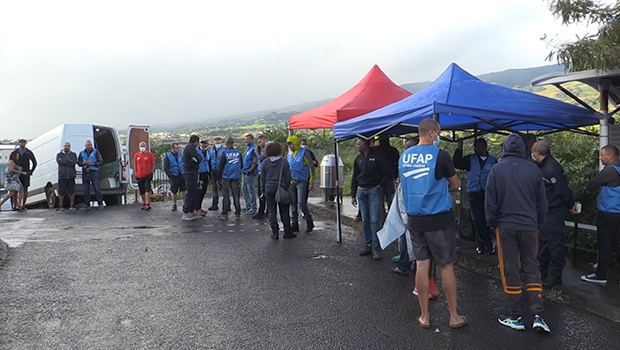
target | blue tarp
x=464, y=102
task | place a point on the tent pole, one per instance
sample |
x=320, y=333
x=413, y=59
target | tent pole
x=436, y=117
x=338, y=221
x=604, y=86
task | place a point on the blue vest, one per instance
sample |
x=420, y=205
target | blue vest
x=214, y=157
x=476, y=177
x=248, y=159
x=91, y=158
x=203, y=167
x=608, y=200
x=422, y=194
x=299, y=171
x=232, y=168
x=176, y=165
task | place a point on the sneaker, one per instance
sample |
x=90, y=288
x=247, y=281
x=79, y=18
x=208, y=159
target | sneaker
x=200, y=213
x=400, y=272
x=101, y=207
x=60, y=209
x=432, y=288
x=396, y=258
x=143, y=207
x=73, y=208
x=415, y=292
x=222, y=217
x=237, y=217
x=366, y=251
x=516, y=324
x=593, y=278
x=188, y=217
x=376, y=254
x=540, y=325
x=213, y=207
x=481, y=250
x=174, y=207
x=85, y=207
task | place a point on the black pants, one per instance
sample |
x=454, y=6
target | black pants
x=261, y=203
x=517, y=257
x=273, y=206
x=191, y=182
x=552, y=241
x=608, y=236
x=476, y=208
x=203, y=183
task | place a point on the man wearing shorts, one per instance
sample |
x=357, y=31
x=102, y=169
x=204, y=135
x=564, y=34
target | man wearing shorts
x=427, y=175
x=28, y=162
x=145, y=163
x=173, y=166
x=66, y=176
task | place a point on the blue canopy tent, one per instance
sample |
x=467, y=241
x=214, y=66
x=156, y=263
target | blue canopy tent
x=460, y=101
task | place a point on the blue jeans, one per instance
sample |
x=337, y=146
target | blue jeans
x=216, y=197
x=300, y=197
x=87, y=179
x=370, y=202
x=483, y=235
x=249, y=192
x=230, y=185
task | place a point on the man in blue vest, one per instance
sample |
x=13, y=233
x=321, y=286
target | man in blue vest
x=203, y=174
x=250, y=170
x=552, y=237
x=607, y=183
x=90, y=160
x=477, y=166
x=214, y=164
x=302, y=174
x=173, y=166
x=427, y=176
x=231, y=163
x=516, y=205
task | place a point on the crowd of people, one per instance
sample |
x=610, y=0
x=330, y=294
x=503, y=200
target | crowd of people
x=520, y=202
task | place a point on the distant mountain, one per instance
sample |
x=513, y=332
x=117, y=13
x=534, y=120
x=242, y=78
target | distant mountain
x=511, y=78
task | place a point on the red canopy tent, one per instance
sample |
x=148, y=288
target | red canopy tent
x=374, y=91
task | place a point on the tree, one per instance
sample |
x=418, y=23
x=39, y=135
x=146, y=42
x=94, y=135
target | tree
x=600, y=51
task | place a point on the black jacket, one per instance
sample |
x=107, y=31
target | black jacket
x=26, y=159
x=515, y=195
x=66, y=164
x=370, y=171
x=191, y=159
x=556, y=185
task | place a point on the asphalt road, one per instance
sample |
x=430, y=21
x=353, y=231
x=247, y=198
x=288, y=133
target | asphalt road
x=121, y=278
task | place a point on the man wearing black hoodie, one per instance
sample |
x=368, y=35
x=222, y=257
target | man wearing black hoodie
x=516, y=204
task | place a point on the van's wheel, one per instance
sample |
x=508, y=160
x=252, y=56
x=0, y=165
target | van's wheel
x=51, y=197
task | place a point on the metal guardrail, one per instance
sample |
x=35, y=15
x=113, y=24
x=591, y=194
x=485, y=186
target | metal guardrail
x=577, y=226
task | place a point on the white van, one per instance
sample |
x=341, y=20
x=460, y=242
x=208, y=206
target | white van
x=115, y=174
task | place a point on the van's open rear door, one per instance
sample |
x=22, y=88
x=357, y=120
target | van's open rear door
x=135, y=135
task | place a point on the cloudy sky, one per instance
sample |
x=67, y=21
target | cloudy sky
x=148, y=62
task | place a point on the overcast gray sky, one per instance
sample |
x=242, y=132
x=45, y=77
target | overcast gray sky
x=147, y=62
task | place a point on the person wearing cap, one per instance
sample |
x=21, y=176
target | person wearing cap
x=302, y=175
x=250, y=171
x=90, y=160
x=145, y=164
x=28, y=162
x=203, y=174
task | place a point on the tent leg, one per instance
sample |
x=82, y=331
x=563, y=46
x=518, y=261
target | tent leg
x=338, y=199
